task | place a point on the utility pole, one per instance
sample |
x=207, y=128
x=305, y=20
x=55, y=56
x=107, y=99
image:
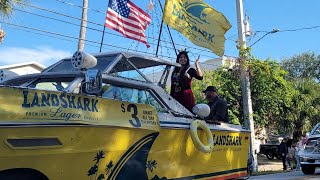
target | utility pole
x=82, y=34
x=246, y=92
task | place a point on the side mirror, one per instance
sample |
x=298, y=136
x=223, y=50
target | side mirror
x=93, y=84
x=202, y=110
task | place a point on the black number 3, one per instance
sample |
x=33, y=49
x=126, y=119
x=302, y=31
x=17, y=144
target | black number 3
x=137, y=122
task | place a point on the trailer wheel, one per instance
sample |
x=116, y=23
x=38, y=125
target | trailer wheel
x=270, y=155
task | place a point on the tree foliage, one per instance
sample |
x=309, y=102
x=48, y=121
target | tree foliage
x=303, y=75
x=228, y=85
x=270, y=93
x=282, y=104
x=6, y=7
x=305, y=65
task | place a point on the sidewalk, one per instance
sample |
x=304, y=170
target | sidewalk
x=265, y=164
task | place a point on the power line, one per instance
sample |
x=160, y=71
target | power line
x=25, y=30
x=70, y=37
x=54, y=12
x=71, y=4
x=67, y=22
x=72, y=17
x=61, y=14
x=300, y=29
x=75, y=5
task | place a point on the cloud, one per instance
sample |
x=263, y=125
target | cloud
x=42, y=55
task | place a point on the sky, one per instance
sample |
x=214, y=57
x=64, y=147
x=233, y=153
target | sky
x=47, y=31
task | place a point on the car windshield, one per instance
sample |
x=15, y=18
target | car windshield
x=316, y=131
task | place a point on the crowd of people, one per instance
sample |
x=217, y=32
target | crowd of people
x=181, y=80
x=289, y=152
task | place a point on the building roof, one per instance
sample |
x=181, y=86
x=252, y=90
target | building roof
x=32, y=63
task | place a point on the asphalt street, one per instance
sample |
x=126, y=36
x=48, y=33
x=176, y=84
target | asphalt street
x=291, y=175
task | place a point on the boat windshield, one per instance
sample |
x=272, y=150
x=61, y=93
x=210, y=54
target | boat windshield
x=136, y=71
x=126, y=65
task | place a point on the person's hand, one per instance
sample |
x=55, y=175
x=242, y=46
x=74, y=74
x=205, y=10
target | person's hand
x=282, y=154
x=197, y=63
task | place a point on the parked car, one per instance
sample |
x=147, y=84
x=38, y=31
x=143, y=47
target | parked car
x=310, y=154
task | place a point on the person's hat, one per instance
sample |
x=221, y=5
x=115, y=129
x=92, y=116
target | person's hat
x=210, y=88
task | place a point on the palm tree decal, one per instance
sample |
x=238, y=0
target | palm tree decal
x=152, y=164
x=100, y=177
x=108, y=167
x=94, y=169
x=99, y=156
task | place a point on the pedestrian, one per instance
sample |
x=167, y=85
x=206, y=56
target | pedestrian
x=218, y=107
x=181, y=79
x=300, y=147
x=291, y=156
x=283, y=150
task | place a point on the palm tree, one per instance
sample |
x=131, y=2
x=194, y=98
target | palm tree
x=7, y=5
x=5, y=11
x=2, y=33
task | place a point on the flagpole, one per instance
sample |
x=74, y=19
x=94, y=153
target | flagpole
x=104, y=28
x=159, y=38
x=174, y=47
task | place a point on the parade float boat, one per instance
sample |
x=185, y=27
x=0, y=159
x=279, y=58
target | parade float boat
x=104, y=116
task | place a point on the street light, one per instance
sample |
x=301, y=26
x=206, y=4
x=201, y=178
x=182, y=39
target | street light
x=270, y=32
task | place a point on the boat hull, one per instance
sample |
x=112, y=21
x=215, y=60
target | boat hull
x=90, y=152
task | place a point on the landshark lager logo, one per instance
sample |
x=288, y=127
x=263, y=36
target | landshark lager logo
x=65, y=101
x=59, y=105
x=198, y=11
x=199, y=22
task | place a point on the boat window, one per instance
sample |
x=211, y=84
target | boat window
x=131, y=95
x=51, y=84
x=124, y=69
x=66, y=66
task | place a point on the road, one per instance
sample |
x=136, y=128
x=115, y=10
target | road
x=292, y=175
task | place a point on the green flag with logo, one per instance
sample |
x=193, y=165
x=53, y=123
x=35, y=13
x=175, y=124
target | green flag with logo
x=199, y=22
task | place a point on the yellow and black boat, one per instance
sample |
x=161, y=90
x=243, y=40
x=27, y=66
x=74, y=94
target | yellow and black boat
x=102, y=116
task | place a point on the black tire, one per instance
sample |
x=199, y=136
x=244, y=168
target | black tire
x=308, y=169
x=22, y=174
x=270, y=155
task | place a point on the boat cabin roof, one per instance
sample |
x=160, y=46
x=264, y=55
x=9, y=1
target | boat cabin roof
x=105, y=62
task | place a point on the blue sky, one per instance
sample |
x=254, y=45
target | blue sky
x=23, y=43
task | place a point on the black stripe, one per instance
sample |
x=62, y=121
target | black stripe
x=34, y=142
x=212, y=174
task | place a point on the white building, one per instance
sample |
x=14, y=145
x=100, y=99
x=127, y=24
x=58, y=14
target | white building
x=224, y=61
x=12, y=70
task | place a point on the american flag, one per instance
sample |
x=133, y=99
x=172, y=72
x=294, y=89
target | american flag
x=128, y=19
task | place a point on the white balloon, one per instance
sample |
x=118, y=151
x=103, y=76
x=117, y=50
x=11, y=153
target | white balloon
x=201, y=110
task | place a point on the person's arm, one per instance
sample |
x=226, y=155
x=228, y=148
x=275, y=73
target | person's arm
x=193, y=73
x=198, y=69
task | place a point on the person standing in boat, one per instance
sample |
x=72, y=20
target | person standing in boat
x=181, y=79
x=218, y=107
